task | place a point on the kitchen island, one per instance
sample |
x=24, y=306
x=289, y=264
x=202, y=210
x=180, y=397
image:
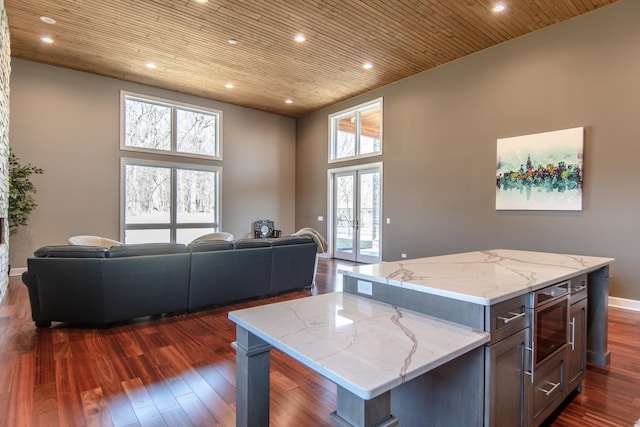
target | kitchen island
x=447, y=340
x=494, y=291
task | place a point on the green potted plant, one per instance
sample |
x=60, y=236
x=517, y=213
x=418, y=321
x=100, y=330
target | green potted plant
x=21, y=201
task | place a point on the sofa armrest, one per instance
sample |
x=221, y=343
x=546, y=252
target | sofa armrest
x=30, y=280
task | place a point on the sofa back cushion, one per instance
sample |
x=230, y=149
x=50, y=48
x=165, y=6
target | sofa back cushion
x=67, y=251
x=291, y=240
x=251, y=243
x=142, y=249
x=210, y=245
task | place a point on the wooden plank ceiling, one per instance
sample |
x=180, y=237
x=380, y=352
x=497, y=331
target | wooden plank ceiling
x=188, y=41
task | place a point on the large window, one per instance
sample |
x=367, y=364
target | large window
x=168, y=203
x=356, y=132
x=176, y=200
x=154, y=125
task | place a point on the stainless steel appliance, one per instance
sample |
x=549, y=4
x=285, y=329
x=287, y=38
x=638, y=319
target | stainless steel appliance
x=549, y=310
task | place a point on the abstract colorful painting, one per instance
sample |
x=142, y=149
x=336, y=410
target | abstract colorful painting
x=541, y=171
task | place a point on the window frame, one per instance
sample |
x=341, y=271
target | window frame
x=173, y=225
x=174, y=106
x=357, y=110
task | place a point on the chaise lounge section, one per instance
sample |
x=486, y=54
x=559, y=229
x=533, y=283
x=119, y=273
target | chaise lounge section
x=100, y=286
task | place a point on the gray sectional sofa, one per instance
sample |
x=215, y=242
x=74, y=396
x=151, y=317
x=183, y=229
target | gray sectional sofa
x=100, y=286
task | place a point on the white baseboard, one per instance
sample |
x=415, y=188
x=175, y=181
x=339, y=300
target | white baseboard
x=17, y=271
x=627, y=304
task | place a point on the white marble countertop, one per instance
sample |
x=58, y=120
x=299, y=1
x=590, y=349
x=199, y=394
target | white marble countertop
x=362, y=345
x=483, y=277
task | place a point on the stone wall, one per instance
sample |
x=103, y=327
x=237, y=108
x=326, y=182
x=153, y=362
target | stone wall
x=5, y=71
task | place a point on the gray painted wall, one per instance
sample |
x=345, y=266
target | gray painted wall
x=439, y=153
x=67, y=123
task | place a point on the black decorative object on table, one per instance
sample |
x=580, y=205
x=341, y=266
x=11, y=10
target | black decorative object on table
x=263, y=228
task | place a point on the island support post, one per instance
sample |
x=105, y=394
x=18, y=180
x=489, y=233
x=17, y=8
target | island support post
x=252, y=379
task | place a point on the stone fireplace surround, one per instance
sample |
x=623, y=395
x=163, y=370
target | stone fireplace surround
x=5, y=71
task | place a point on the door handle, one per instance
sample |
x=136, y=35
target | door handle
x=573, y=334
x=530, y=373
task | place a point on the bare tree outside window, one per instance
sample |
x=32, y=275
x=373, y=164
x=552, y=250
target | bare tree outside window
x=147, y=125
x=151, y=124
x=174, y=201
x=196, y=132
x=196, y=196
x=148, y=194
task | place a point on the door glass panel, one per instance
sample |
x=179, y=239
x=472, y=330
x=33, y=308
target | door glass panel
x=344, y=213
x=369, y=223
x=148, y=194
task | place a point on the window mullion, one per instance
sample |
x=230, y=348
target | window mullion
x=174, y=127
x=173, y=211
x=358, y=132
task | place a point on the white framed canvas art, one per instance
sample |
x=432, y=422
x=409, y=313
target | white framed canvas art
x=542, y=171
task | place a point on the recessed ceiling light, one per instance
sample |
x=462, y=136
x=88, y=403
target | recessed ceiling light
x=499, y=7
x=202, y=1
x=151, y=65
x=367, y=65
x=229, y=85
x=299, y=38
x=288, y=101
x=47, y=20
x=46, y=39
x=232, y=41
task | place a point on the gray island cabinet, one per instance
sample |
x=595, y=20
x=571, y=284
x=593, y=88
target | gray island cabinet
x=546, y=315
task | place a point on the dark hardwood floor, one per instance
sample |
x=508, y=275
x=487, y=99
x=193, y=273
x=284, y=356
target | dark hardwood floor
x=180, y=371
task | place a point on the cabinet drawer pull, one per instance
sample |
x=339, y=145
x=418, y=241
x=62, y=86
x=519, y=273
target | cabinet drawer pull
x=513, y=317
x=548, y=392
x=578, y=289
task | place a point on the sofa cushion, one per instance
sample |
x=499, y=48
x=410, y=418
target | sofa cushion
x=291, y=240
x=251, y=243
x=210, y=245
x=68, y=251
x=142, y=249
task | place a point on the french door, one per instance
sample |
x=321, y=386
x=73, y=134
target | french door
x=356, y=214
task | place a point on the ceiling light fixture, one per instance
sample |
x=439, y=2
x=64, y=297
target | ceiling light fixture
x=232, y=41
x=499, y=7
x=47, y=20
x=46, y=39
x=201, y=1
x=288, y=101
x=229, y=85
x=151, y=65
x=367, y=65
x=299, y=38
